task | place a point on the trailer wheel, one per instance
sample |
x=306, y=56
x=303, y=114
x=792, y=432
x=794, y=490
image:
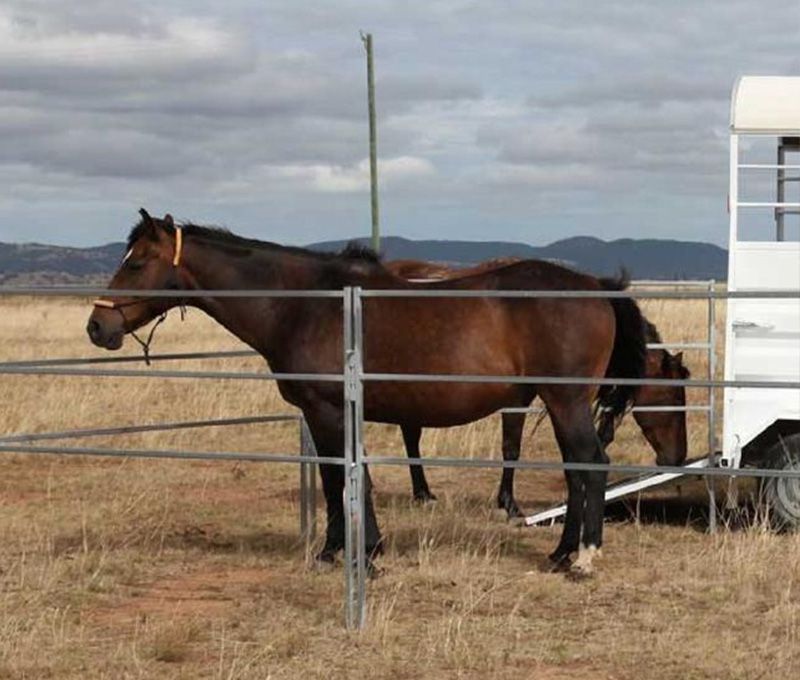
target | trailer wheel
x=782, y=494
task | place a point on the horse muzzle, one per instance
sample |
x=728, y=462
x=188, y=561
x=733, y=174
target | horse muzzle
x=102, y=337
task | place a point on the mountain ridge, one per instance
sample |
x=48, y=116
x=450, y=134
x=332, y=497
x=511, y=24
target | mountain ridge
x=27, y=263
x=642, y=258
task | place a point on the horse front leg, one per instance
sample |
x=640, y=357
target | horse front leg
x=327, y=429
x=333, y=489
x=571, y=534
x=419, y=485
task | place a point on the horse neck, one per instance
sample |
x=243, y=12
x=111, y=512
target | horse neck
x=652, y=395
x=254, y=320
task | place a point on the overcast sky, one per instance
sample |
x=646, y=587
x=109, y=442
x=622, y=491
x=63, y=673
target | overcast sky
x=528, y=121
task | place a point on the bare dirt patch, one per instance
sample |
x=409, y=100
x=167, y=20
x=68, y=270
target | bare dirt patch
x=205, y=593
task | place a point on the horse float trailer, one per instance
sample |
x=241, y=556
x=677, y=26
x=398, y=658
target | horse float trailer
x=761, y=424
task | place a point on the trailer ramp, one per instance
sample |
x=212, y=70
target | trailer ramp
x=624, y=487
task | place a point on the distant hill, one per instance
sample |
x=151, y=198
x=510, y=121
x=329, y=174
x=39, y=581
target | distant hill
x=28, y=263
x=34, y=263
x=643, y=258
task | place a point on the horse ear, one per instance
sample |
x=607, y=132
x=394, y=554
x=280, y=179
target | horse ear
x=169, y=221
x=149, y=224
x=678, y=358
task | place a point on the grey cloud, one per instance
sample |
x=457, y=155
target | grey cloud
x=182, y=110
x=74, y=64
x=533, y=113
x=132, y=17
x=643, y=88
x=97, y=153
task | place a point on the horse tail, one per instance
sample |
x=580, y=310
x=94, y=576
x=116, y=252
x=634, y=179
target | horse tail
x=628, y=356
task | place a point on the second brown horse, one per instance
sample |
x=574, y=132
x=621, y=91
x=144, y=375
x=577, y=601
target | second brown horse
x=664, y=430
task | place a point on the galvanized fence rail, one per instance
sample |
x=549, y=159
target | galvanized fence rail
x=30, y=443
x=353, y=377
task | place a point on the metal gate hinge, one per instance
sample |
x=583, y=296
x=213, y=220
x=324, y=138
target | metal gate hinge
x=351, y=382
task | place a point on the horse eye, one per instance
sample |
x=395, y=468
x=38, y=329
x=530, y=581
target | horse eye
x=134, y=265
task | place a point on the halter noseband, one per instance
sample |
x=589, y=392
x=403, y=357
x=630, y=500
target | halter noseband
x=118, y=306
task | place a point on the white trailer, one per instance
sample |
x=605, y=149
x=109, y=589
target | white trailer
x=761, y=426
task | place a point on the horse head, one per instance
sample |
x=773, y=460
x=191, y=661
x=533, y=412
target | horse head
x=665, y=430
x=151, y=262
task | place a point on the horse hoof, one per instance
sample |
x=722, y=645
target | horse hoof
x=324, y=561
x=323, y=566
x=374, y=571
x=425, y=498
x=499, y=515
x=559, y=555
x=560, y=563
x=516, y=521
x=509, y=513
x=582, y=567
x=514, y=512
x=510, y=506
x=579, y=576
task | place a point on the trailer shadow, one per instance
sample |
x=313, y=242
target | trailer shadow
x=676, y=511
x=692, y=512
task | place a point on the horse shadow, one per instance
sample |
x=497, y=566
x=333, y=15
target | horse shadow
x=481, y=527
x=257, y=540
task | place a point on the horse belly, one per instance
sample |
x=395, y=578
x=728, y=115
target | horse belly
x=437, y=404
x=469, y=337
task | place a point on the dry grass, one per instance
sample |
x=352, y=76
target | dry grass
x=173, y=569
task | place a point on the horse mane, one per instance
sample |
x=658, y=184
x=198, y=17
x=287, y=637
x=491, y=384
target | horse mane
x=619, y=282
x=352, y=252
x=651, y=333
x=628, y=356
x=358, y=251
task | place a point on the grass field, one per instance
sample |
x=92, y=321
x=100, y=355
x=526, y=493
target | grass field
x=173, y=569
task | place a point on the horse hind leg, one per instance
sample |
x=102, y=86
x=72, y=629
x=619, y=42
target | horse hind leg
x=578, y=441
x=419, y=485
x=605, y=428
x=594, y=512
x=512, y=442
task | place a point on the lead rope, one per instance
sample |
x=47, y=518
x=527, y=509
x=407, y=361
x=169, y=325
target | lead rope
x=146, y=345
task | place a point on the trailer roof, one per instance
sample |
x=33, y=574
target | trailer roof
x=766, y=105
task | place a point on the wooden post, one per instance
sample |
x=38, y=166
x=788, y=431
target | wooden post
x=373, y=144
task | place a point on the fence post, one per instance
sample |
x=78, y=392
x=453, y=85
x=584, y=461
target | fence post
x=308, y=487
x=712, y=416
x=355, y=540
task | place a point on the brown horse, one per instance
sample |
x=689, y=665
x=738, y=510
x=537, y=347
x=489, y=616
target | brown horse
x=665, y=431
x=490, y=336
